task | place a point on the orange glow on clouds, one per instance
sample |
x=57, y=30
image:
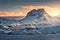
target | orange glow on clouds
x=49, y=10
x=15, y=13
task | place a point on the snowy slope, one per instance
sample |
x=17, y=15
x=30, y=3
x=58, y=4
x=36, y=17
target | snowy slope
x=38, y=17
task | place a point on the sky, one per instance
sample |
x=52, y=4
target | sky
x=22, y=7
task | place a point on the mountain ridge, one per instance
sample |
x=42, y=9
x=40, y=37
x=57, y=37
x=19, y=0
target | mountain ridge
x=36, y=17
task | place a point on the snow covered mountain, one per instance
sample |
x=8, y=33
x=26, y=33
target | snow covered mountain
x=39, y=18
x=36, y=22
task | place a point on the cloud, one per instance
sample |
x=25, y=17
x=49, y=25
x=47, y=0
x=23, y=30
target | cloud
x=29, y=8
x=12, y=13
x=12, y=5
x=53, y=11
x=33, y=7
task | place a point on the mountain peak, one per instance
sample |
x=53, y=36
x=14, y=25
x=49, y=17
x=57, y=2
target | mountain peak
x=40, y=9
x=32, y=12
x=35, y=12
x=37, y=17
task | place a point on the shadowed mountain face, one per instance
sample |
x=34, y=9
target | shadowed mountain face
x=38, y=13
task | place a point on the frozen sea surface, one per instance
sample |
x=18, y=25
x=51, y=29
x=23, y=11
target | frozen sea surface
x=30, y=37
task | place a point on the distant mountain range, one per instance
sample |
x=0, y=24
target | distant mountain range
x=10, y=19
